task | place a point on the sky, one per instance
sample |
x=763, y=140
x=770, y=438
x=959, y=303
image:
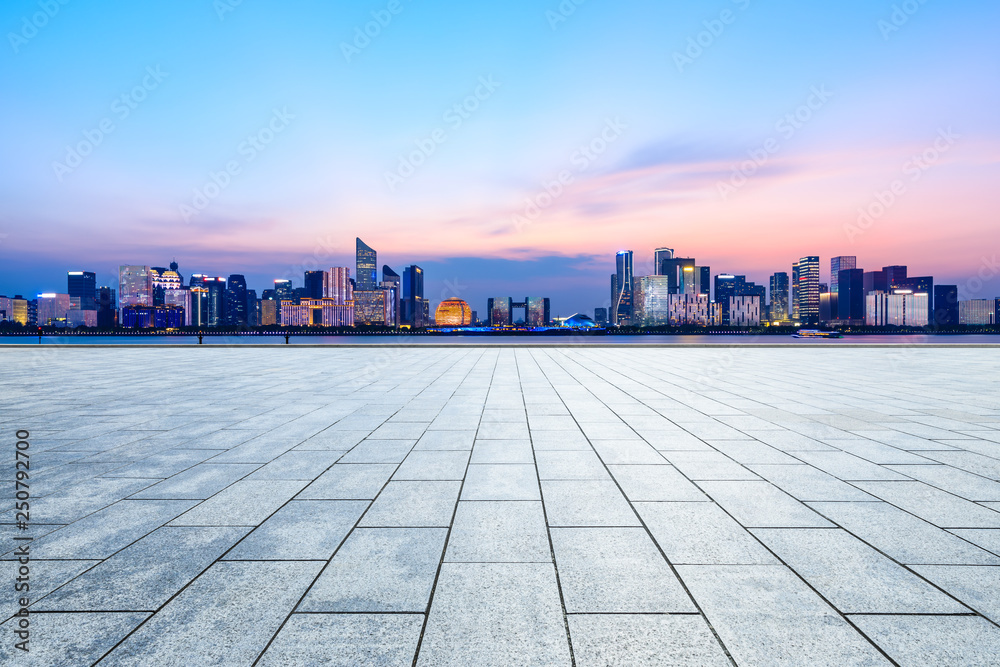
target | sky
x=508, y=148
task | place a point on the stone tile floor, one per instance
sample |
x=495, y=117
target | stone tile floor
x=514, y=506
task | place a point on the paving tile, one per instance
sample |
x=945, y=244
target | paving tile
x=501, y=482
x=946, y=641
x=775, y=619
x=413, y=504
x=199, y=482
x=934, y=505
x=570, y=465
x=987, y=538
x=58, y=640
x=502, y=431
x=446, y=440
x=615, y=570
x=975, y=585
x=655, y=483
x=245, y=503
x=902, y=536
x=494, y=615
x=953, y=480
x=749, y=452
x=226, y=616
x=586, y=503
x=502, y=451
x=499, y=532
x=301, y=530
x=701, y=533
x=349, y=482
x=559, y=441
x=706, y=465
x=761, y=504
x=45, y=575
x=852, y=576
x=380, y=570
x=144, y=576
x=644, y=640
x=804, y=482
x=379, y=451
x=163, y=465
x=331, y=440
x=433, y=465
x=346, y=640
x=296, y=464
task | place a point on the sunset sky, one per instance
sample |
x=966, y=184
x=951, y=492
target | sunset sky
x=887, y=94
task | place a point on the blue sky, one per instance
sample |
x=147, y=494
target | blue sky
x=347, y=121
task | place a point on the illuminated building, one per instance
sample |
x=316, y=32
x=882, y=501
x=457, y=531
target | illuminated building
x=52, y=309
x=691, y=309
x=901, y=309
x=235, y=308
x=214, y=311
x=621, y=289
x=805, y=290
x=537, y=311
x=413, y=305
x=579, y=321
x=371, y=307
x=81, y=318
x=268, y=312
x=337, y=285
x=82, y=287
x=744, y=311
x=367, y=271
x=164, y=280
x=659, y=256
x=392, y=283
x=838, y=264
x=453, y=313
x=283, y=291
x=316, y=313
x=148, y=317
x=651, y=301
x=779, y=297
x=135, y=287
x=977, y=312
x=181, y=298
x=500, y=311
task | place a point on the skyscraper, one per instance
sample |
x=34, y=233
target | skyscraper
x=236, y=301
x=536, y=311
x=314, y=284
x=806, y=289
x=367, y=268
x=779, y=297
x=945, y=306
x=500, y=311
x=337, y=285
x=413, y=297
x=215, y=307
x=851, y=302
x=107, y=307
x=392, y=283
x=728, y=286
x=659, y=255
x=135, y=287
x=82, y=289
x=621, y=301
x=838, y=264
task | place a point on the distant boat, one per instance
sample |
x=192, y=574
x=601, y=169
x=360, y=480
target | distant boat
x=816, y=333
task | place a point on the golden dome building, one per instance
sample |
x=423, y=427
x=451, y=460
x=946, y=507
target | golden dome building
x=453, y=313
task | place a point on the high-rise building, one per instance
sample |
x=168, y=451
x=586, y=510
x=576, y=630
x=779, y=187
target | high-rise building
x=51, y=309
x=903, y=309
x=268, y=311
x=850, y=295
x=601, y=316
x=82, y=289
x=659, y=255
x=622, y=286
x=536, y=311
x=236, y=301
x=215, y=304
x=253, y=309
x=316, y=312
x=651, y=301
x=805, y=289
x=314, y=284
x=974, y=312
x=744, y=310
x=681, y=273
x=838, y=264
x=135, y=286
x=283, y=291
x=107, y=307
x=413, y=297
x=164, y=279
x=894, y=274
x=337, y=285
x=392, y=282
x=371, y=307
x=500, y=310
x=779, y=297
x=367, y=267
x=180, y=298
x=945, y=306
x=728, y=286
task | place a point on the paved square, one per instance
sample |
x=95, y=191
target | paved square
x=505, y=506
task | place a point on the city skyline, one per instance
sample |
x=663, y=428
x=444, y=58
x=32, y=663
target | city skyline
x=539, y=173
